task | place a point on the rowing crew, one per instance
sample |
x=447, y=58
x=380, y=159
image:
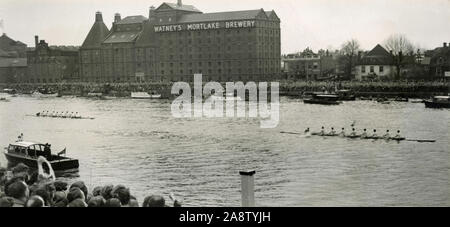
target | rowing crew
x=354, y=134
x=59, y=114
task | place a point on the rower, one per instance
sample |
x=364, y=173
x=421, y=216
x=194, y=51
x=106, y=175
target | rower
x=353, y=132
x=342, y=132
x=375, y=134
x=333, y=132
x=387, y=135
x=322, y=132
x=398, y=136
x=38, y=114
x=364, y=135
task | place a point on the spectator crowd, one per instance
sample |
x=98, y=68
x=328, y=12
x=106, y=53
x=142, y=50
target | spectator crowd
x=19, y=188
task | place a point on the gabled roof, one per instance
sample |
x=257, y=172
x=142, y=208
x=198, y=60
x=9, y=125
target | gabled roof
x=6, y=43
x=378, y=51
x=222, y=16
x=272, y=15
x=174, y=6
x=96, y=35
x=132, y=20
x=122, y=37
x=377, y=56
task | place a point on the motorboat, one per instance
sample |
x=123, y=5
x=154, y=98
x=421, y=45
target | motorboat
x=438, y=102
x=323, y=99
x=145, y=95
x=29, y=152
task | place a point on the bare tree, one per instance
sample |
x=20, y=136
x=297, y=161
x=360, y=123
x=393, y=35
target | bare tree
x=349, y=51
x=400, y=46
x=399, y=43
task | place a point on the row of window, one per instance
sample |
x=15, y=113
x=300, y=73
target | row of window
x=372, y=69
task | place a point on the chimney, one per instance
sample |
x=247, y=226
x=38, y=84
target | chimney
x=98, y=17
x=117, y=18
x=151, y=12
x=36, y=40
x=180, y=3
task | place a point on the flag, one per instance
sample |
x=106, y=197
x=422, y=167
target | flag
x=63, y=152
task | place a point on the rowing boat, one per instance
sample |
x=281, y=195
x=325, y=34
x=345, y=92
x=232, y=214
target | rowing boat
x=63, y=117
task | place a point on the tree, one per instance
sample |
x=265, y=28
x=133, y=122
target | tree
x=400, y=46
x=398, y=43
x=349, y=51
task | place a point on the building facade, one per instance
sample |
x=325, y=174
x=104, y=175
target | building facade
x=177, y=41
x=308, y=65
x=377, y=64
x=48, y=64
x=13, y=63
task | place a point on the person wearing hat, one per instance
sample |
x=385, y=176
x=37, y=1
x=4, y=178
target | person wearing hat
x=21, y=171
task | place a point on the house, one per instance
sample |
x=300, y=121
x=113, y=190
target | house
x=377, y=64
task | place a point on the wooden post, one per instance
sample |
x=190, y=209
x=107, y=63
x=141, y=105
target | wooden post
x=247, y=188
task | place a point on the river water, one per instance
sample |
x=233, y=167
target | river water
x=139, y=144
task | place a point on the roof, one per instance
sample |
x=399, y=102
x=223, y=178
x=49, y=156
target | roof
x=13, y=62
x=132, y=20
x=122, y=37
x=221, y=16
x=377, y=56
x=183, y=7
x=96, y=35
x=25, y=144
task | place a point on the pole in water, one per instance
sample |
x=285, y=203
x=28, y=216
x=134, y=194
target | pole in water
x=248, y=188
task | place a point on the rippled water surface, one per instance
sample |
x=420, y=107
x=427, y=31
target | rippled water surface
x=139, y=144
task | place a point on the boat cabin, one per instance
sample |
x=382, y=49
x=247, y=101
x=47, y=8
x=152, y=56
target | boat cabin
x=441, y=99
x=326, y=97
x=30, y=149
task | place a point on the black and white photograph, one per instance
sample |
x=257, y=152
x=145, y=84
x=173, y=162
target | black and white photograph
x=224, y=104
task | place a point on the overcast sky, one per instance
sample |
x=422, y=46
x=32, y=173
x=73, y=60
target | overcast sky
x=304, y=23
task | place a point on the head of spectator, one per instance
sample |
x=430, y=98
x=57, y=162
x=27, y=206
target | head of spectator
x=122, y=193
x=77, y=203
x=59, y=196
x=81, y=186
x=46, y=193
x=97, y=201
x=61, y=203
x=35, y=201
x=6, y=202
x=60, y=186
x=97, y=191
x=21, y=171
x=154, y=201
x=18, y=190
x=113, y=203
x=75, y=193
x=107, y=192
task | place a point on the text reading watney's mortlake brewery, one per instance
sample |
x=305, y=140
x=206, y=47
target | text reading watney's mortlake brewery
x=205, y=26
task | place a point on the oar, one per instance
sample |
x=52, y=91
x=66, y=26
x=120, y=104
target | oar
x=423, y=141
x=292, y=133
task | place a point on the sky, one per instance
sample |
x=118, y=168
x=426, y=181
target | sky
x=317, y=24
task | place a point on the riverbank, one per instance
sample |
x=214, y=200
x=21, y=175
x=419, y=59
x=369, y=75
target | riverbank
x=287, y=88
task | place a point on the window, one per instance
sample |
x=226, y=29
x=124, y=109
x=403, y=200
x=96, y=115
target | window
x=381, y=69
x=363, y=69
x=372, y=69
